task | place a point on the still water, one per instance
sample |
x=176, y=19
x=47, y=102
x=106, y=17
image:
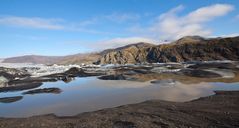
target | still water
x=90, y=94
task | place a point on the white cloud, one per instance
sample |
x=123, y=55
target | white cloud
x=237, y=17
x=230, y=35
x=49, y=24
x=34, y=22
x=122, y=17
x=114, y=18
x=60, y=24
x=100, y=45
x=119, y=42
x=171, y=26
x=208, y=13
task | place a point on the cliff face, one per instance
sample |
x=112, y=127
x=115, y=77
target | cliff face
x=185, y=49
x=87, y=58
x=129, y=54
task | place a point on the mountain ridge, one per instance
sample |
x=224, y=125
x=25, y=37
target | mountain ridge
x=36, y=59
x=189, y=48
x=182, y=50
x=69, y=59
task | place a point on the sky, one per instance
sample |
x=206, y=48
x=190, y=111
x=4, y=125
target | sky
x=63, y=27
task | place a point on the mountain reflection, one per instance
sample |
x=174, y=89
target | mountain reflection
x=10, y=99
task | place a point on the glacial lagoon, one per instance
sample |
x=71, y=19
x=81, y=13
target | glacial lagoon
x=91, y=94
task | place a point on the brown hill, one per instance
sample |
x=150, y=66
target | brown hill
x=87, y=58
x=34, y=59
x=71, y=59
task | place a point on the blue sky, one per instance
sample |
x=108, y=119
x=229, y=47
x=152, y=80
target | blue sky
x=61, y=27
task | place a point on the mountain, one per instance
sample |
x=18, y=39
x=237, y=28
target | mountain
x=87, y=58
x=189, y=39
x=133, y=53
x=93, y=57
x=71, y=59
x=138, y=45
x=34, y=59
x=191, y=48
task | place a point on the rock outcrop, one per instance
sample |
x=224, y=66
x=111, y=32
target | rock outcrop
x=136, y=53
x=7, y=74
x=185, y=49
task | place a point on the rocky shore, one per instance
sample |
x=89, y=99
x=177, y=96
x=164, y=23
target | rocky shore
x=219, y=110
x=12, y=79
x=17, y=79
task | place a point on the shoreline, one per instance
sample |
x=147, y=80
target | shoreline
x=218, y=110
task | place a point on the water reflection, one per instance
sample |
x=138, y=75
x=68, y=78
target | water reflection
x=43, y=90
x=68, y=79
x=20, y=87
x=227, y=77
x=90, y=94
x=10, y=99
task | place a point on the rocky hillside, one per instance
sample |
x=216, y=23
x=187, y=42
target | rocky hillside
x=190, y=48
x=87, y=58
x=134, y=53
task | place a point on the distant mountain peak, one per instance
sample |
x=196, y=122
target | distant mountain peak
x=138, y=45
x=196, y=37
x=190, y=39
